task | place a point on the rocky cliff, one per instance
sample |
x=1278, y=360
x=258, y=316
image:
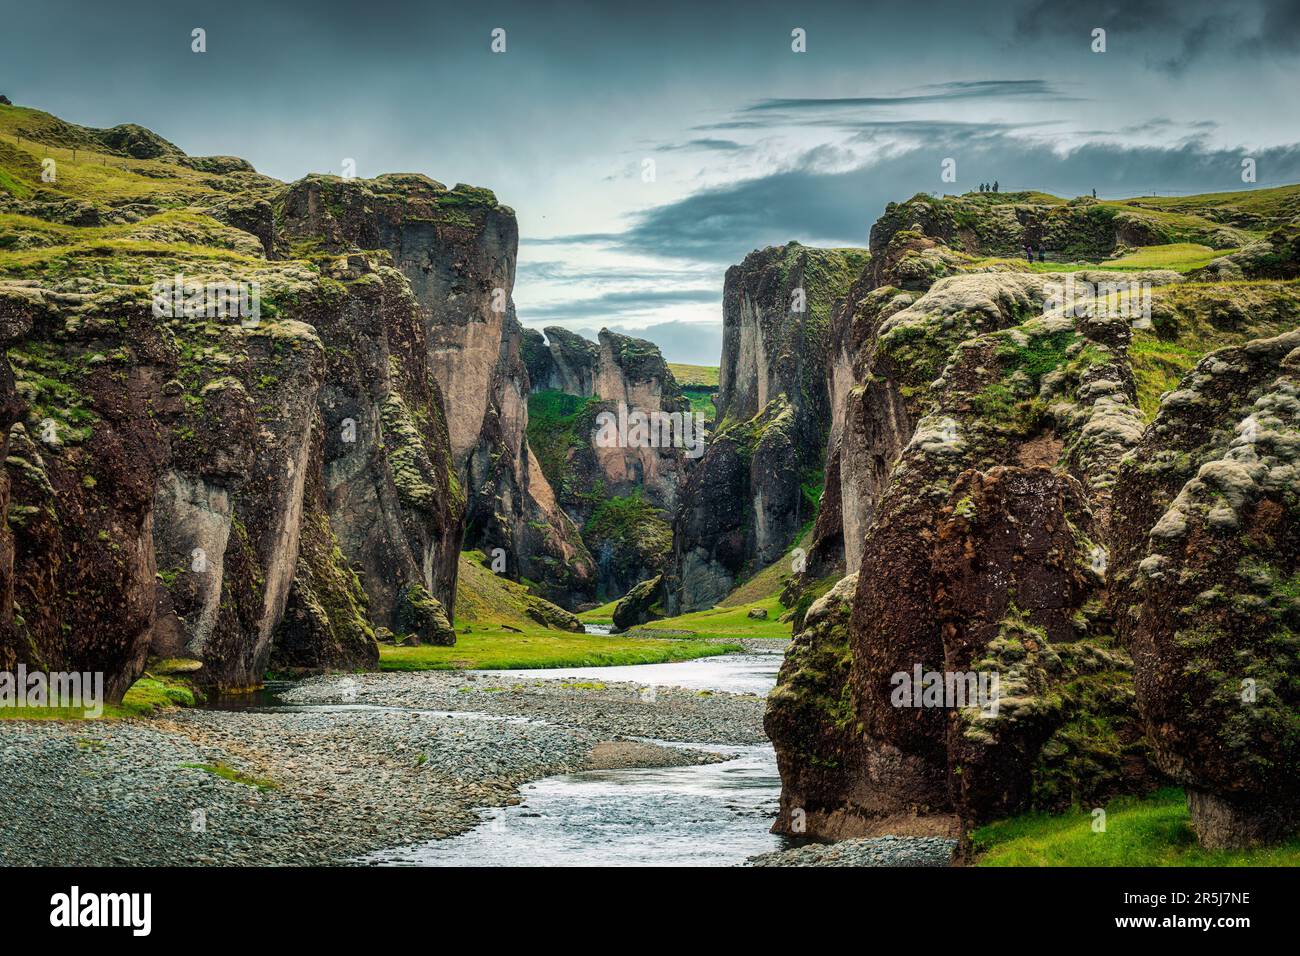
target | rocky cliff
x=227, y=433
x=1207, y=574
x=457, y=249
x=1020, y=487
x=755, y=487
x=620, y=493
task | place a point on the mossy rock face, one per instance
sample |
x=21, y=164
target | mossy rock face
x=630, y=539
x=422, y=616
x=812, y=721
x=1210, y=608
x=324, y=625
x=992, y=432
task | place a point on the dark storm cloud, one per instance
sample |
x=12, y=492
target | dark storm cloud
x=1041, y=17
x=936, y=93
x=724, y=224
x=1173, y=35
x=717, y=145
x=1279, y=30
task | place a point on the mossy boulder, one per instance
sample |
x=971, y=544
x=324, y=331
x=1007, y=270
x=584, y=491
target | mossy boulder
x=422, y=616
x=550, y=615
x=640, y=605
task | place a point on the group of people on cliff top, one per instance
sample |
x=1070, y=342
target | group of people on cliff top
x=986, y=188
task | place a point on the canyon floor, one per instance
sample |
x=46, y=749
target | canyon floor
x=341, y=767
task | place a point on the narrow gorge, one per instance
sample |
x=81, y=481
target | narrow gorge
x=298, y=436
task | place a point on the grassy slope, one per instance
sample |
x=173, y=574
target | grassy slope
x=1147, y=831
x=694, y=375
x=726, y=621
x=1177, y=256
x=768, y=582
x=730, y=617
x=600, y=615
x=1163, y=356
x=701, y=402
x=94, y=173
x=699, y=384
x=1276, y=202
x=488, y=605
x=484, y=599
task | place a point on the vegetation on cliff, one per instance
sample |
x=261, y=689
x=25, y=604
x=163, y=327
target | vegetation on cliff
x=1016, y=480
x=180, y=453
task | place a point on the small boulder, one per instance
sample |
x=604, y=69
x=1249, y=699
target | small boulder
x=640, y=604
x=550, y=615
x=758, y=613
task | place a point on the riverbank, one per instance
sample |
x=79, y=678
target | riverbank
x=496, y=647
x=362, y=763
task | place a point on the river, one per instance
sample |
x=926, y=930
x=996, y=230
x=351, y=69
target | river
x=712, y=815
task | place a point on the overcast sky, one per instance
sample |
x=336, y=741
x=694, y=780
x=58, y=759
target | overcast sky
x=751, y=143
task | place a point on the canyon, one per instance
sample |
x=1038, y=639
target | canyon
x=952, y=470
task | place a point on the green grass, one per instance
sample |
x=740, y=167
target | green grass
x=694, y=375
x=701, y=402
x=1146, y=831
x=1196, y=326
x=95, y=173
x=486, y=598
x=227, y=772
x=147, y=696
x=730, y=618
x=1176, y=256
x=1274, y=202
x=726, y=622
x=497, y=649
x=1158, y=367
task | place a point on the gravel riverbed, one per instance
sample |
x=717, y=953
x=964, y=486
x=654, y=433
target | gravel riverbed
x=868, y=851
x=348, y=765
x=386, y=764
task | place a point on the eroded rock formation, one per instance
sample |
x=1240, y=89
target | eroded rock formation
x=227, y=485
x=457, y=249
x=619, y=492
x=1207, y=568
x=1004, y=505
x=749, y=495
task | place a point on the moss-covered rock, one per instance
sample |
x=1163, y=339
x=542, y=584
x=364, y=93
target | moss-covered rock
x=422, y=617
x=641, y=604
